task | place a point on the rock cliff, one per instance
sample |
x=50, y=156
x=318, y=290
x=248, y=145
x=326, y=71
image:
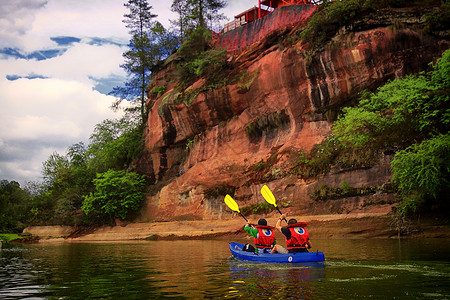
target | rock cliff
x=197, y=152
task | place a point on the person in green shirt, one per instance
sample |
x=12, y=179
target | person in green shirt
x=264, y=238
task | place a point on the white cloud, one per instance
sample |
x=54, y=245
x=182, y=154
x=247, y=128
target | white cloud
x=45, y=115
x=41, y=116
x=16, y=18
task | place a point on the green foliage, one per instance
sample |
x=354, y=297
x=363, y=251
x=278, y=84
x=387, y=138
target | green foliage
x=416, y=104
x=423, y=169
x=400, y=113
x=325, y=192
x=358, y=126
x=200, y=60
x=158, y=90
x=7, y=237
x=258, y=208
x=439, y=19
x=201, y=11
x=337, y=14
x=114, y=145
x=14, y=205
x=195, y=44
x=139, y=58
x=150, y=43
x=331, y=17
x=190, y=142
x=117, y=193
x=262, y=171
x=208, y=64
x=245, y=81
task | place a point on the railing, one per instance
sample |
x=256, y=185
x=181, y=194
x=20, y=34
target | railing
x=234, y=24
x=241, y=21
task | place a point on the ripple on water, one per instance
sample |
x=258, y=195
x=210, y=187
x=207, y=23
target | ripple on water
x=414, y=268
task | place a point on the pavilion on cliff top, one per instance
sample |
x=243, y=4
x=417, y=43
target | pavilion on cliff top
x=264, y=8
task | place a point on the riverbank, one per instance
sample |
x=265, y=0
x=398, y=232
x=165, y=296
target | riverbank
x=362, y=225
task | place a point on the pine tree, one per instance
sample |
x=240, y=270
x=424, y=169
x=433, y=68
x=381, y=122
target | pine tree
x=205, y=10
x=182, y=21
x=140, y=58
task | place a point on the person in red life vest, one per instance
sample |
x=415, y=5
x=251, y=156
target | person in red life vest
x=297, y=237
x=263, y=235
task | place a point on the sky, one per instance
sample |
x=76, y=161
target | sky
x=59, y=59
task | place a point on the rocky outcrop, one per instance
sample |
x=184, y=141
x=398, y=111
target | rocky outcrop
x=200, y=150
x=49, y=232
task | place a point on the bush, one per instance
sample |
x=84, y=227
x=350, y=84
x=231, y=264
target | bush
x=423, y=169
x=258, y=208
x=337, y=14
x=158, y=91
x=400, y=112
x=117, y=193
x=415, y=112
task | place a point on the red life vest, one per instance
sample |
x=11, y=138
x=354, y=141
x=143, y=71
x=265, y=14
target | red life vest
x=266, y=237
x=299, y=236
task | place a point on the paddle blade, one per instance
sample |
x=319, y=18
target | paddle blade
x=231, y=203
x=267, y=194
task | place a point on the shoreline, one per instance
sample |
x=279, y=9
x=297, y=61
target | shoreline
x=361, y=225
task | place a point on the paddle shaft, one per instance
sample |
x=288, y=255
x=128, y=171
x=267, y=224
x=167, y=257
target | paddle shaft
x=279, y=210
x=243, y=217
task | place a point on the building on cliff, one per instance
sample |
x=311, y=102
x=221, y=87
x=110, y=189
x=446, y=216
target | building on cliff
x=256, y=23
x=264, y=8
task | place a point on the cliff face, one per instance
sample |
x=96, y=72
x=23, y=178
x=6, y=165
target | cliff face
x=286, y=106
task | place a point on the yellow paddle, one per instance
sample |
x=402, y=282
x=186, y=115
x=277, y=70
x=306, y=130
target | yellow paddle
x=233, y=205
x=267, y=194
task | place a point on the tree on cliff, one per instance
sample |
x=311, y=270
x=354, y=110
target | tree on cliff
x=182, y=21
x=202, y=11
x=411, y=115
x=149, y=44
x=194, y=16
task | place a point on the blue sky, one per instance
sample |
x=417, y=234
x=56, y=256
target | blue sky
x=58, y=61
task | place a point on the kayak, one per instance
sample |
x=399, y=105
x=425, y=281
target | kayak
x=236, y=250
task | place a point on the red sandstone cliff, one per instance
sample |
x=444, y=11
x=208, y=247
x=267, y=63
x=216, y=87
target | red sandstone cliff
x=298, y=90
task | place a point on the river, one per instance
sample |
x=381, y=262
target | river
x=203, y=269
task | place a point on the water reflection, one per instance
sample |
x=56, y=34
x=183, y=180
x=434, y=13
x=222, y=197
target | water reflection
x=203, y=269
x=274, y=280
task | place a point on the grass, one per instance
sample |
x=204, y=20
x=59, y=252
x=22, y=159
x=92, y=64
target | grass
x=7, y=237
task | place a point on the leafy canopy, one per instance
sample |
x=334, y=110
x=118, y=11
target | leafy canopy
x=413, y=114
x=117, y=193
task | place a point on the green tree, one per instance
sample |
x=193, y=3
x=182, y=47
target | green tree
x=117, y=193
x=114, y=145
x=202, y=11
x=411, y=113
x=14, y=203
x=66, y=179
x=182, y=22
x=422, y=173
x=139, y=59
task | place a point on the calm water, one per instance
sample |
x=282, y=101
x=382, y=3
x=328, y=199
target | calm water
x=354, y=269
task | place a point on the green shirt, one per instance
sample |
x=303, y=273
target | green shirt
x=252, y=231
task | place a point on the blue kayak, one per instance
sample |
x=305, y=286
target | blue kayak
x=236, y=250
